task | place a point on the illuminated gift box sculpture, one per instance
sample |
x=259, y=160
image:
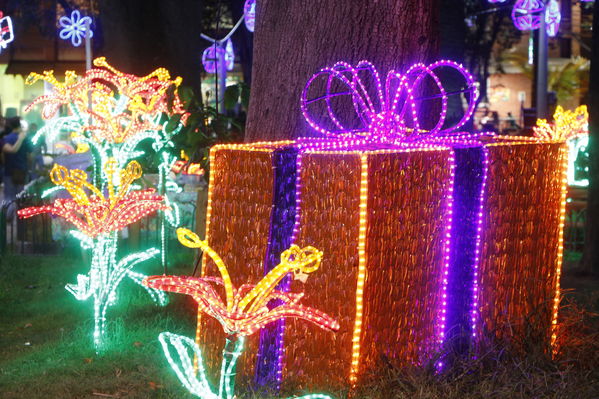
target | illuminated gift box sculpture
x=430, y=236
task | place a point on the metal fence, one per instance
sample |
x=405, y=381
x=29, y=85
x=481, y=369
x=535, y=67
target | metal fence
x=32, y=235
x=38, y=234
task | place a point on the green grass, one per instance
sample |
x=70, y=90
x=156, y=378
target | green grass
x=45, y=336
x=46, y=345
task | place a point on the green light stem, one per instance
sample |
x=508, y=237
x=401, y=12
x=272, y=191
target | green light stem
x=102, y=268
x=231, y=352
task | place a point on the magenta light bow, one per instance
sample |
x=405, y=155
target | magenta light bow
x=389, y=112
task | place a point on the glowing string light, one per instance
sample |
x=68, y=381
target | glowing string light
x=111, y=113
x=242, y=313
x=6, y=31
x=75, y=28
x=553, y=18
x=567, y=125
x=446, y=257
x=98, y=218
x=393, y=111
x=478, y=244
x=527, y=14
x=218, y=58
x=560, y=252
x=249, y=14
x=362, y=261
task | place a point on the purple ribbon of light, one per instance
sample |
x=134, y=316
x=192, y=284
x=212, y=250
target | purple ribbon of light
x=392, y=111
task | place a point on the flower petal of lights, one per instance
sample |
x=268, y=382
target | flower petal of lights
x=96, y=214
x=244, y=311
x=389, y=112
x=249, y=14
x=553, y=18
x=75, y=28
x=141, y=101
x=6, y=31
x=567, y=125
x=527, y=14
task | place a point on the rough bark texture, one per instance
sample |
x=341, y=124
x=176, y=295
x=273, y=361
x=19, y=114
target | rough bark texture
x=295, y=38
x=591, y=243
x=138, y=36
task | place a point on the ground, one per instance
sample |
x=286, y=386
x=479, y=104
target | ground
x=46, y=351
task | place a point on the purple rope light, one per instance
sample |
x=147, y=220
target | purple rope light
x=384, y=113
x=527, y=14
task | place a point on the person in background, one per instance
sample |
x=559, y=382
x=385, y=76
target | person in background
x=16, y=159
x=7, y=148
x=512, y=126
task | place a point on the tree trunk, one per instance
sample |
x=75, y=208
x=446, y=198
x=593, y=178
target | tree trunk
x=591, y=242
x=295, y=38
x=138, y=36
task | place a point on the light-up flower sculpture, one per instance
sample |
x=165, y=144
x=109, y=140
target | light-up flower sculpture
x=98, y=219
x=249, y=14
x=75, y=28
x=573, y=128
x=94, y=215
x=384, y=112
x=242, y=312
x=6, y=32
x=110, y=113
x=566, y=125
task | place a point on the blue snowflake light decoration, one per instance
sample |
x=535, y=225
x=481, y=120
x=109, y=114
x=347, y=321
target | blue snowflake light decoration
x=75, y=28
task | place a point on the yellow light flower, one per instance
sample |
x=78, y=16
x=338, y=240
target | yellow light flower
x=244, y=310
x=566, y=125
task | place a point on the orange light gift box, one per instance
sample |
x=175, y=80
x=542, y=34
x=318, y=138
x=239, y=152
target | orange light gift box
x=430, y=238
x=422, y=245
x=374, y=212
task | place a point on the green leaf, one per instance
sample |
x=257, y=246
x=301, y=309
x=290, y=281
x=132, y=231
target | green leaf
x=194, y=120
x=231, y=96
x=245, y=95
x=187, y=96
x=173, y=123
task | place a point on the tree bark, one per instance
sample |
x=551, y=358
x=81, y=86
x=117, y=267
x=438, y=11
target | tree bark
x=295, y=38
x=591, y=242
x=138, y=36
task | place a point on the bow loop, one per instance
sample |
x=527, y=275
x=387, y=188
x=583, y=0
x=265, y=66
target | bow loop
x=349, y=101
